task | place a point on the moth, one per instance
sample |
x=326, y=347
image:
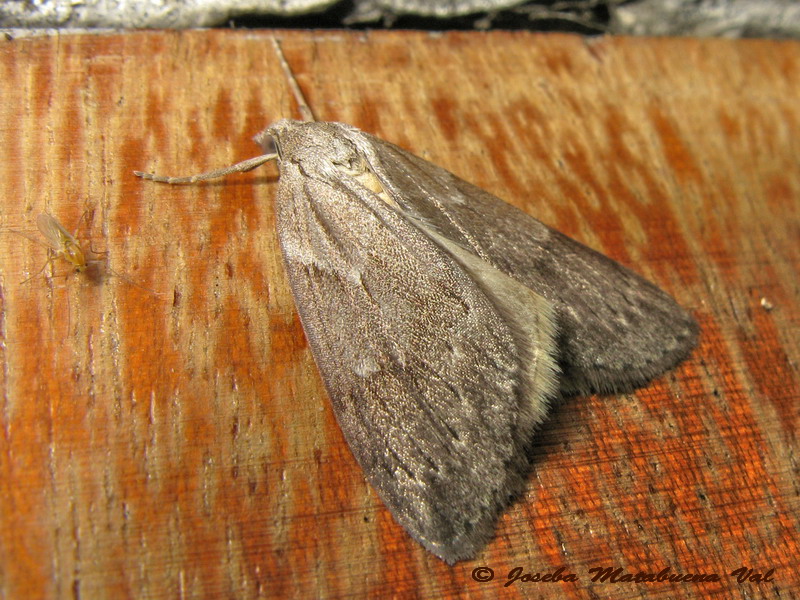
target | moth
x=444, y=322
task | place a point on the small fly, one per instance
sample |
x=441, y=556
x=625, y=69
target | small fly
x=60, y=242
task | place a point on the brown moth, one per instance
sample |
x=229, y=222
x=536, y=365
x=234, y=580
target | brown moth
x=444, y=321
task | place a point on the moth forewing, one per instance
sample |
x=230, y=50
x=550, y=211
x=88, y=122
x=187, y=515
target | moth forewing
x=435, y=387
x=532, y=322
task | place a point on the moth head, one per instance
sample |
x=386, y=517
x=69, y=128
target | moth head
x=311, y=144
x=324, y=150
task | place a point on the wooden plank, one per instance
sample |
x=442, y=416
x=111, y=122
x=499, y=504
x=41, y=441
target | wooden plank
x=180, y=443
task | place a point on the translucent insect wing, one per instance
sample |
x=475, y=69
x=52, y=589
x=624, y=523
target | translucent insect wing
x=60, y=240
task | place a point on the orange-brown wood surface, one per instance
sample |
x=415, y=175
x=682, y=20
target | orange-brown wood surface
x=177, y=442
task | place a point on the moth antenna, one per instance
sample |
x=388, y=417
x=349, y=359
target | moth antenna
x=242, y=167
x=302, y=105
x=252, y=163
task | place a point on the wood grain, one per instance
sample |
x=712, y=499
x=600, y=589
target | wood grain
x=178, y=443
